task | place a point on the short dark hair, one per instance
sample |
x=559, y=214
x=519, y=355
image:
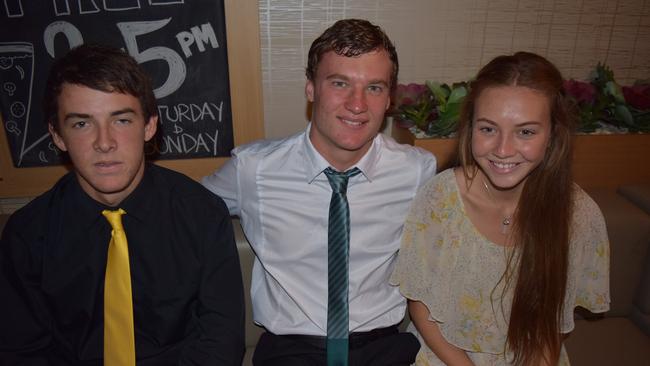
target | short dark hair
x=98, y=67
x=350, y=38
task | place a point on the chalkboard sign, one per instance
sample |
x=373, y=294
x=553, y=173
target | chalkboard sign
x=180, y=43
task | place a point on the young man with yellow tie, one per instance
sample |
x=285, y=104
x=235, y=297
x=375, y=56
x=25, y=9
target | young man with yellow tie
x=121, y=262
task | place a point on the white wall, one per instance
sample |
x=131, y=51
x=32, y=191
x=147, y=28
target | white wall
x=449, y=40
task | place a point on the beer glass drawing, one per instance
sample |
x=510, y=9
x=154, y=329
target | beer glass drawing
x=16, y=79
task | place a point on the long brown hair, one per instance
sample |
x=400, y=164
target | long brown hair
x=543, y=214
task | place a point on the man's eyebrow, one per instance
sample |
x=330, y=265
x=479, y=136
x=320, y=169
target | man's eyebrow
x=122, y=111
x=337, y=76
x=343, y=77
x=86, y=115
x=76, y=115
x=379, y=81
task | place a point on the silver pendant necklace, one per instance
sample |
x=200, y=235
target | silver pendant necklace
x=505, y=223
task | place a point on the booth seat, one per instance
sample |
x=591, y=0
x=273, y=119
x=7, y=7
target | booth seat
x=619, y=337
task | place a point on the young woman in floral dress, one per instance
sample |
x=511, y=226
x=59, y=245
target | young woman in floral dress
x=498, y=251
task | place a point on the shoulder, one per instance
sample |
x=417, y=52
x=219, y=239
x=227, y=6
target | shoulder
x=438, y=195
x=588, y=228
x=262, y=148
x=182, y=190
x=415, y=165
x=582, y=200
x=585, y=209
x=411, y=154
x=33, y=217
x=441, y=184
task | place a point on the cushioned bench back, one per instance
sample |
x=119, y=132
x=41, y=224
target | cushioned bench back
x=629, y=235
x=246, y=259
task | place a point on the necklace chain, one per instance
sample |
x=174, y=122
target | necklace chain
x=505, y=223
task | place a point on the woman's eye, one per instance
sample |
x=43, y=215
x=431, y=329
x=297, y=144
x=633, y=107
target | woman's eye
x=527, y=132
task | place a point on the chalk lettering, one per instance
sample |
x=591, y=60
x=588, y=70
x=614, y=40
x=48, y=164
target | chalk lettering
x=199, y=36
x=214, y=141
x=119, y=5
x=182, y=111
x=61, y=7
x=219, y=108
x=72, y=34
x=193, y=116
x=177, y=68
x=14, y=8
x=165, y=2
x=89, y=8
x=186, y=143
x=193, y=112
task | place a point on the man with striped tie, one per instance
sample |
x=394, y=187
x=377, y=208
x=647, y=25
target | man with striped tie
x=323, y=211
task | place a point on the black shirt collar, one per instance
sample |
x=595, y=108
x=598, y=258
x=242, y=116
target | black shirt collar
x=137, y=205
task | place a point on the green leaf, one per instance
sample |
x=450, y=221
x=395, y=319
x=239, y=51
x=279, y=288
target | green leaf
x=614, y=90
x=439, y=91
x=623, y=114
x=457, y=95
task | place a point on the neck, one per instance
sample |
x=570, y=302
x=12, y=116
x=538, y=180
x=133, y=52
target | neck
x=339, y=158
x=502, y=201
x=508, y=198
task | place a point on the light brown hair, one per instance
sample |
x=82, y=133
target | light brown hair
x=351, y=38
x=539, y=268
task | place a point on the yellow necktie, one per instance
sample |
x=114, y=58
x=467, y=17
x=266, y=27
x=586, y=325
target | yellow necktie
x=119, y=339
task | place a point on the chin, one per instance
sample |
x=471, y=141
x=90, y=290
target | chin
x=506, y=184
x=110, y=186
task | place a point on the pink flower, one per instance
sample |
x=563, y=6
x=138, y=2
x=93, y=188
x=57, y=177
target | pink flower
x=582, y=92
x=638, y=96
x=409, y=94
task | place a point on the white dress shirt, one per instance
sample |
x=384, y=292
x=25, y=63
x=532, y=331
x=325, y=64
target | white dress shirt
x=279, y=191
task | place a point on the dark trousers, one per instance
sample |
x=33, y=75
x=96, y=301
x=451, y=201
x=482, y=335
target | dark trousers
x=380, y=347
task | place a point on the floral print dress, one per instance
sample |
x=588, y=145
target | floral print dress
x=445, y=263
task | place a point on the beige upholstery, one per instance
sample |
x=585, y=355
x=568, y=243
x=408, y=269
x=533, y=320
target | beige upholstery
x=628, y=228
x=617, y=338
x=641, y=310
x=611, y=341
x=639, y=194
x=246, y=258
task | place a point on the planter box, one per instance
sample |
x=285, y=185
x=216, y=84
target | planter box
x=599, y=160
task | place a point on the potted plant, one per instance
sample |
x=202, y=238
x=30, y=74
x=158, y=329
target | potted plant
x=426, y=113
x=613, y=142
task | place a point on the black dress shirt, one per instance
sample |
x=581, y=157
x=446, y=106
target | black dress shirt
x=187, y=289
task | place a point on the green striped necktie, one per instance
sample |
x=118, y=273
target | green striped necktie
x=338, y=238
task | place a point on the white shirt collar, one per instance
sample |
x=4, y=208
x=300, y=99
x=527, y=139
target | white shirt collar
x=315, y=163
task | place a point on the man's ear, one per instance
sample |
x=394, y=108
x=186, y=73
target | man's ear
x=309, y=90
x=150, y=128
x=58, y=140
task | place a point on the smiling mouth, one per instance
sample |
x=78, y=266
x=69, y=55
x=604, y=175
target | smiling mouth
x=352, y=123
x=500, y=165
